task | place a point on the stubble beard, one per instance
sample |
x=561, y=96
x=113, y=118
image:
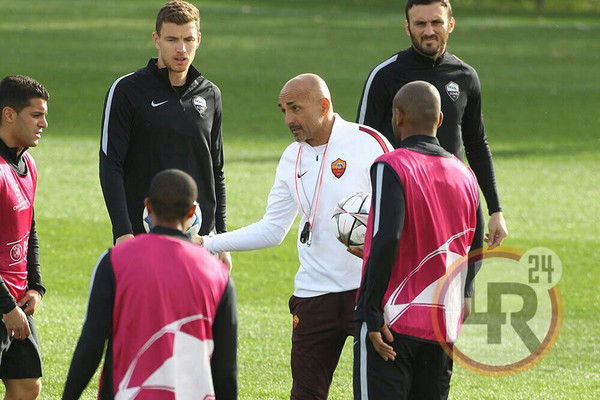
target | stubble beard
x=429, y=53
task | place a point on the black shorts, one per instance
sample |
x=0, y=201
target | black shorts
x=20, y=359
x=421, y=370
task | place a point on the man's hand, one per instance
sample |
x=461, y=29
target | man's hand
x=497, y=230
x=123, y=238
x=225, y=257
x=16, y=324
x=358, y=251
x=31, y=301
x=385, y=350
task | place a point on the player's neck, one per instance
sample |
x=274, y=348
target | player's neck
x=170, y=224
x=322, y=137
x=434, y=57
x=415, y=132
x=9, y=142
x=177, y=78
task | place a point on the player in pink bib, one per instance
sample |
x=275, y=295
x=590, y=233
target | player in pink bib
x=23, y=107
x=166, y=309
x=421, y=226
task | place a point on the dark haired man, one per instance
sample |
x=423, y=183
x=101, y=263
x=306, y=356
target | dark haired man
x=429, y=24
x=165, y=115
x=422, y=221
x=166, y=307
x=23, y=107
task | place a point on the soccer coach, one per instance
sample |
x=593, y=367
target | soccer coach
x=165, y=115
x=166, y=307
x=422, y=220
x=429, y=24
x=329, y=160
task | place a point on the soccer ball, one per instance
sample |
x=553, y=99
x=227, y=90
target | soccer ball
x=192, y=229
x=350, y=218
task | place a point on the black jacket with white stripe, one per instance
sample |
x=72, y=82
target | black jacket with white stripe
x=460, y=92
x=148, y=126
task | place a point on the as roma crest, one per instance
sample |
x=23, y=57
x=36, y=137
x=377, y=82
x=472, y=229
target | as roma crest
x=453, y=90
x=199, y=104
x=338, y=167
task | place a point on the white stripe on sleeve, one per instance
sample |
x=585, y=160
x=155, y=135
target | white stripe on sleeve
x=377, y=205
x=364, y=389
x=363, y=106
x=111, y=92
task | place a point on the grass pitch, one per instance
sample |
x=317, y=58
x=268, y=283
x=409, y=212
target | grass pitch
x=540, y=79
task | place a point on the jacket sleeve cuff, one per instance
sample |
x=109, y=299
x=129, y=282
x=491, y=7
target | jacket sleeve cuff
x=9, y=306
x=38, y=288
x=374, y=321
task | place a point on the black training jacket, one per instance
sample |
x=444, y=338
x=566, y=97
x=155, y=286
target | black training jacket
x=147, y=127
x=460, y=92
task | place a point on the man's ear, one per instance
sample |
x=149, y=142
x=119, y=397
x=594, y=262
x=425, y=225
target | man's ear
x=451, y=25
x=148, y=205
x=8, y=114
x=155, y=38
x=325, y=105
x=191, y=211
x=441, y=119
x=398, y=116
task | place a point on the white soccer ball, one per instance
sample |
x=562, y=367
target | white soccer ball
x=194, y=223
x=350, y=218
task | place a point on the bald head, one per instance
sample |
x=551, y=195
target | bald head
x=308, y=84
x=416, y=110
x=306, y=103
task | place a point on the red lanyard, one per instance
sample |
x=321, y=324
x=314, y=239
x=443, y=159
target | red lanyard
x=311, y=223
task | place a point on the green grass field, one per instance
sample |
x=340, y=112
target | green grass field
x=540, y=77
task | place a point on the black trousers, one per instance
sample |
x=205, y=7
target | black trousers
x=421, y=370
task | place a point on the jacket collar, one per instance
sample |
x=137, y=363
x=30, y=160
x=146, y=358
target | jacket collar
x=192, y=78
x=337, y=128
x=421, y=59
x=12, y=156
x=176, y=233
x=424, y=144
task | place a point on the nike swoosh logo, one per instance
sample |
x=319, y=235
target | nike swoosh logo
x=300, y=175
x=158, y=104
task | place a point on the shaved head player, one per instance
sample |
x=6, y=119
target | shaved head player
x=423, y=217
